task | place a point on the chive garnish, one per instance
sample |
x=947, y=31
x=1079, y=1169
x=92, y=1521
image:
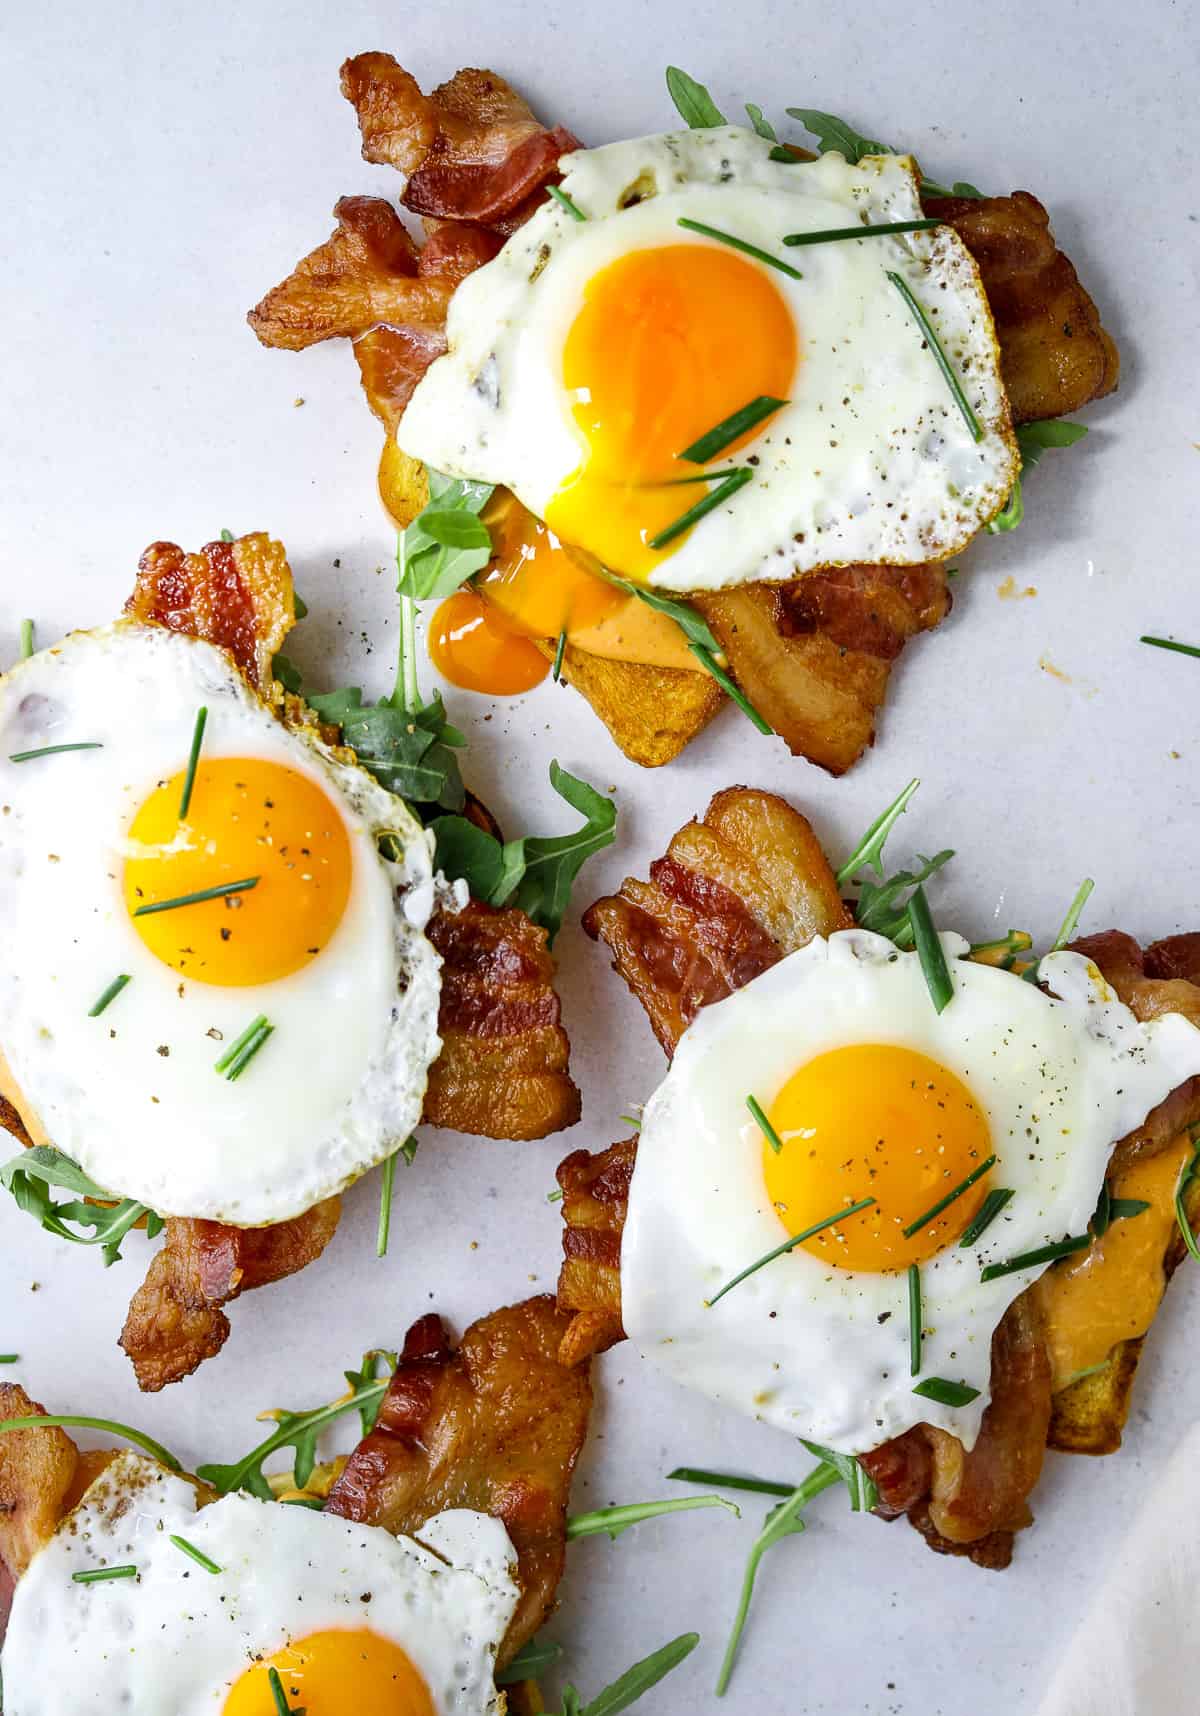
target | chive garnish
x=197, y=1555
x=240, y=1053
x=930, y=951
x=1186, y=1178
x=387, y=1186
x=9, y=1358
x=189, y=780
x=572, y=208
x=790, y=1244
x=768, y=1131
x=1043, y=1254
x=989, y=1210
x=1122, y=1209
x=409, y=1150
x=196, y=899
x=729, y=1481
x=54, y=750
x=559, y=652
x=1169, y=643
x=946, y=1393
x=733, y=482
x=227, y=536
x=98, y=1575
x=25, y=640
x=1071, y=922
x=944, y=1203
x=729, y=429
x=73, y=1420
x=914, y=1319
x=282, y=1707
x=109, y=995
x=833, y=234
x=935, y=345
x=712, y=666
x=555, y=1197
x=615, y=1520
x=741, y=244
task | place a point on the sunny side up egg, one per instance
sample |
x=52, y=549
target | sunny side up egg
x=874, y=1096
x=353, y=1620
x=588, y=359
x=146, y=1087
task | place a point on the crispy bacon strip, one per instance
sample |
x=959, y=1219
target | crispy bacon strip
x=814, y=657
x=37, y=1474
x=236, y=594
x=1055, y=355
x=176, y=1320
x=595, y=1200
x=734, y=893
x=494, y=1424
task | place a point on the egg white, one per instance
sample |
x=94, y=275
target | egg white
x=823, y=1352
x=871, y=461
x=133, y=1095
x=175, y=1639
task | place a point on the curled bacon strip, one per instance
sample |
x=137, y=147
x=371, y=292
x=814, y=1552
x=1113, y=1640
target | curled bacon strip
x=37, y=1475
x=595, y=1199
x=176, y=1320
x=236, y=594
x=494, y=1424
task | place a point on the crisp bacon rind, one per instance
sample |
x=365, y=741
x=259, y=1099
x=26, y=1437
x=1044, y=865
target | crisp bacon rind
x=963, y=1503
x=176, y=1319
x=1054, y=353
x=502, y=1071
x=37, y=1474
x=235, y=594
x=495, y=1424
x=814, y=657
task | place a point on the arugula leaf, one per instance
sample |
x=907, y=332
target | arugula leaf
x=868, y=854
x=1011, y=514
x=1033, y=439
x=839, y=134
x=696, y=106
x=861, y=1487
x=409, y=751
x=536, y=872
x=299, y=1431
x=447, y=542
x=879, y=906
x=530, y=1661
x=761, y=125
x=630, y=1686
x=359, y=1380
x=29, y=1177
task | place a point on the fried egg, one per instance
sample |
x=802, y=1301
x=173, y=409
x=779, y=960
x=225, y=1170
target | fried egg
x=589, y=357
x=873, y=1095
x=352, y=1619
x=146, y=1087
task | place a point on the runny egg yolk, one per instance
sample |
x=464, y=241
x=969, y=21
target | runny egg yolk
x=247, y=817
x=874, y=1120
x=668, y=343
x=474, y=646
x=336, y=1673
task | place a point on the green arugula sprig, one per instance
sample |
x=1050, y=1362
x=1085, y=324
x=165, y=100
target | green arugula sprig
x=839, y=134
x=530, y=1662
x=1187, y=1178
x=108, y=1426
x=30, y=1176
x=615, y=1520
x=447, y=542
x=1033, y=439
x=879, y=906
x=635, y=1681
x=299, y=1431
x=696, y=106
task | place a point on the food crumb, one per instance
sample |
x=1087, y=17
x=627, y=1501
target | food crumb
x=1009, y=592
x=1047, y=666
x=298, y=400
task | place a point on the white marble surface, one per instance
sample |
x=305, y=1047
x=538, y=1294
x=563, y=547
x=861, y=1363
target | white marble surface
x=163, y=165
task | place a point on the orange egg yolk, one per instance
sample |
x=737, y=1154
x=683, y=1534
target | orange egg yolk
x=349, y=1672
x=247, y=817
x=668, y=343
x=473, y=645
x=872, y=1120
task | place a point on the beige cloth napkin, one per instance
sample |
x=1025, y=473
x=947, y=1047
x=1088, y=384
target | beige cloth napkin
x=1135, y=1653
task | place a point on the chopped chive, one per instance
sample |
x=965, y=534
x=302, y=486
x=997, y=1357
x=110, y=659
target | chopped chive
x=54, y=750
x=1043, y=1254
x=696, y=477
x=733, y=482
x=572, y=208
x=1102, y=1219
x=741, y=244
x=935, y=345
x=408, y=1150
x=70, y=1420
x=833, y=234
x=944, y=1203
x=930, y=951
x=1169, y=643
x=989, y=1210
x=1071, y=921
x=98, y=1575
x=729, y=429
x=790, y=1244
x=946, y=1393
x=729, y=1481
x=197, y=1555
x=914, y=1319
x=559, y=652
x=9, y=1358
x=313, y=1502
x=189, y=780
x=109, y=995
x=768, y=1131
x=227, y=536
x=196, y=899
x=239, y=1054
x=1186, y=1178
x=282, y=1707
x=387, y=1186
x=1122, y=1209
x=555, y=1197
x=710, y=664
x=25, y=639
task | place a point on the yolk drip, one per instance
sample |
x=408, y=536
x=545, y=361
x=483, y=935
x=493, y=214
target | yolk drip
x=537, y=582
x=336, y=1673
x=669, y=342
x=873, y=1120
x=247, y=817
x=473, y=645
